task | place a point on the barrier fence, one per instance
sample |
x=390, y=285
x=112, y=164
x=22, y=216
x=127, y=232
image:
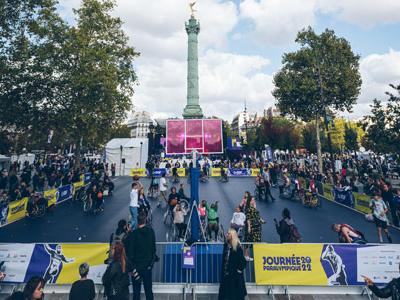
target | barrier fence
x=17, y=210
x=274, y=264
x=213, y=172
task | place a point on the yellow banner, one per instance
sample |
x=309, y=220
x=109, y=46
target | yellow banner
x=362, y=203
x=77, y=185
x=328, y=191
x=51, y=196
x=216, y=172
x=255, y=172
x=76, y=254
x=181, y=172
x=139, y=172
x=17, y=210
x=289, y=264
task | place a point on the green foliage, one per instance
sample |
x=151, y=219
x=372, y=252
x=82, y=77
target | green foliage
x=351, y=138
x=279, y=133
x=75, y=80
x=322, y=74
x=310, y=139
x=383, y=125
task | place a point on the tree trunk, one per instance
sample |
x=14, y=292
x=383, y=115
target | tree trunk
x=78, y=153
x=320, y=169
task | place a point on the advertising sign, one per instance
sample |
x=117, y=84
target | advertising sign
x=17, y=210
x=344, y=197
x=239, y=172
x=64, y=193
x=141, y=172
x=56, y=263
x=189, y=254
x=324, y=264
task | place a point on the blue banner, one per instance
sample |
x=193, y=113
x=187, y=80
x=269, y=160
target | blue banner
x=239, y=172
x=87, y=177
x=344, y=197
x=64, y=193
x=158, y=172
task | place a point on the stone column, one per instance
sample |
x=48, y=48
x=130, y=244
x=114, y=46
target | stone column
x=192, y=109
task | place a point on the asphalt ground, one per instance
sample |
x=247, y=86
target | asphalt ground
x=69, y=224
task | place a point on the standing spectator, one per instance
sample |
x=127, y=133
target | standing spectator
x=379, y=211
x=116, y=278
x=83, y=289
x=397, y=202
x=392, y=289
x=179, y=220
x=140, y=247
x=113, y=169
x=283, y=227
x=34, y=289
x=121, y=233
x=253, y=226
x=232, y=286
x=134, y=205
x=163, y=189
x=388, y=198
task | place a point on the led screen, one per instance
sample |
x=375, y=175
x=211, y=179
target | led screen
x=183, y=136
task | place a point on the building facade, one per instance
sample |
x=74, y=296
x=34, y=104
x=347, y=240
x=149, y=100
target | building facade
x=140, y=124
x=242, y=122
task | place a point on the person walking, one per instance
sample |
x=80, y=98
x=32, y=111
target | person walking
x=116, y=277
x=134, y=205
x=140, y=246
x=232, y=285
x=283, y=227
x=83, y=289
x=163, y=189
x=379, y=211
x=388, y=198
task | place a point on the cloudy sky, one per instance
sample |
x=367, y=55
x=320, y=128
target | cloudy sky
x=241, y=43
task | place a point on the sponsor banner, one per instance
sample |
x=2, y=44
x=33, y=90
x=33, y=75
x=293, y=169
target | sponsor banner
x=158, y=172
x=51, y=196
x=56, y=263
x=255, y=172
x=239, y=172
x=17, y=210
x=328, y=191
x=64, y=193
x=215, y=172
x=344, y=197
x=87, y=177
x=324, y=264
x=141, y=172
x=78, y=185
x=181, y=172
x=362, y=203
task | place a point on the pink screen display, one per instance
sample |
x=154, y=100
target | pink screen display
x=185, y=135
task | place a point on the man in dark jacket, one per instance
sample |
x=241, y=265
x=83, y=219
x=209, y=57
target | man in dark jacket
x=283, y=228
x=140, y=246
x=392, y=289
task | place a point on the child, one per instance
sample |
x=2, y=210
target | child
x=238, y=219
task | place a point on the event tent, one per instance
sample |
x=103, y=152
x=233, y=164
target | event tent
x=127, y=153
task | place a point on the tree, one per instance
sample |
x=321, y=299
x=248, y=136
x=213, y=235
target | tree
x=279, y=133
x=31, y=35
x=309, y=138
x=322, y=75
x=383, y=125
x=351, y=138
x=99, y=72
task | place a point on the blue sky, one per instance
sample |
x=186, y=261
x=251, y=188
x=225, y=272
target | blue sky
x=241, y=45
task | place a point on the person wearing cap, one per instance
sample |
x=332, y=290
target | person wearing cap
x=83, y=289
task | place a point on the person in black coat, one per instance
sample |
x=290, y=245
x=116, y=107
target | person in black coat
x=392, y=289
x=283, y=227
x=232, y=286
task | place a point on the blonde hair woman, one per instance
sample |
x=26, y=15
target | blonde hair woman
x=232, y=286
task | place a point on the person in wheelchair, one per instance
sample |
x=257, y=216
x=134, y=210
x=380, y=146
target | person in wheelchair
x=260, y=184
x=238, y=219
x=203, y=176
x=175, y=175
x=311, y=193
x=144, y=204
x=37, y=205
x=109, y=184
x=285, y=185
x=224, y=175
x=212, y=219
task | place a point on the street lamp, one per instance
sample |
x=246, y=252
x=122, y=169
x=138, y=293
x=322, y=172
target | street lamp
x=140, y=163
x=120, y=160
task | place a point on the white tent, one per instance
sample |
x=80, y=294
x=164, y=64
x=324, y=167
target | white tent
x=127, y=153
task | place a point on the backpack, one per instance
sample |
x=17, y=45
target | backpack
x=294, y=236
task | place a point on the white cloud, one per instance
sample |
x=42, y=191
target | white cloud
x=278, y=21
x=364, y=13
x=377, y=72
x=226, y=80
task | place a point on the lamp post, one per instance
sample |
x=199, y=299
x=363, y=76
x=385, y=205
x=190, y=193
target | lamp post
x=120, y=160
x=328, y=119
x=140, y=163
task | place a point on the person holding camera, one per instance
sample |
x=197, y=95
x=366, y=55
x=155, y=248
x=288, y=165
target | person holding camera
x=140, y=245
